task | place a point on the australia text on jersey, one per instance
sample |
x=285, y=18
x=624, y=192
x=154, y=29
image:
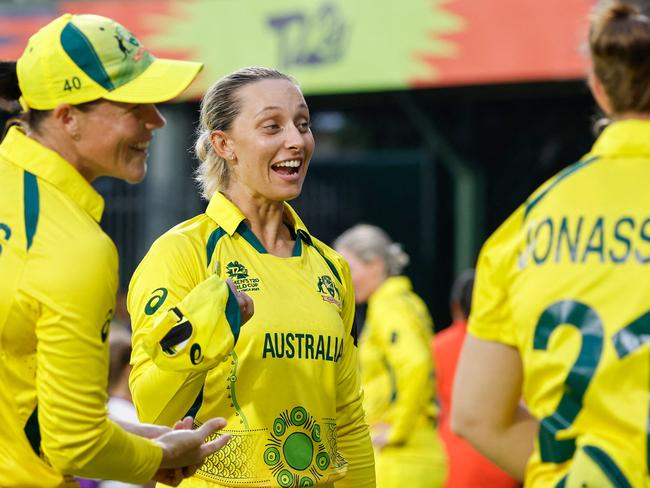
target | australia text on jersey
x=587, y=240
x=302, y=346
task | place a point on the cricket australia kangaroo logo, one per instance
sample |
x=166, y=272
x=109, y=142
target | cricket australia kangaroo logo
x=126, y=43
x=328, y=290
x=238, y=273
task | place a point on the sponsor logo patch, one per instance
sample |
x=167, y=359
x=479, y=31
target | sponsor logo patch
x=238, y=273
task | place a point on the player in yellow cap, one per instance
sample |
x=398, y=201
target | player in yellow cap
x=561, y=308
x=396, y=367
x=287, y=381
x=84, y=89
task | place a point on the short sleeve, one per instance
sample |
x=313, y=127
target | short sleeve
x=491, y=317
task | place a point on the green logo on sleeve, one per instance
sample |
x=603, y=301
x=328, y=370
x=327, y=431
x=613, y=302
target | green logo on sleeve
x=156, y=301
x=106, y=325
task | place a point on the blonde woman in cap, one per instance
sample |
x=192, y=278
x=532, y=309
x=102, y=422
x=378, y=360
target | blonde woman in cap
x=85, y=89
x=396, y=367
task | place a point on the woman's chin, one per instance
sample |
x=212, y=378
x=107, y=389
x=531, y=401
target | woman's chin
x=288, y=192
x=135, y=174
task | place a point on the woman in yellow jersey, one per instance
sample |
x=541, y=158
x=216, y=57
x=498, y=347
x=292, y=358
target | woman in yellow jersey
x=396, y=368
x=287, y=381
x=83, y=92
x=561, y=303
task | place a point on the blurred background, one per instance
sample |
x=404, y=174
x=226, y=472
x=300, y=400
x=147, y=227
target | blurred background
x=433, y=119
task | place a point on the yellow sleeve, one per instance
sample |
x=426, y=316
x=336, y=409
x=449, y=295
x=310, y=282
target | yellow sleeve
x=72, y=374
x=491, y=317
x=408, y=354
x=353, y=438
x=183, y=326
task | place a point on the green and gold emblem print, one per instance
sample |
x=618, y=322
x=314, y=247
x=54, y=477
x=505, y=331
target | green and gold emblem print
x=295, y=452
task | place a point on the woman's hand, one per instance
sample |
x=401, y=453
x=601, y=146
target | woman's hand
x=186, y=449
x=173, y=476
x=245, y=302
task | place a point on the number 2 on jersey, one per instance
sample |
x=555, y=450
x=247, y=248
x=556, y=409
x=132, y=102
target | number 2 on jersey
x=590, y=326
x=586, y=320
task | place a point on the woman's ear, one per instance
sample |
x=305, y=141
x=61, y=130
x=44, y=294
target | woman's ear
x=598, y=91
x=222, y=145
x=68, y=118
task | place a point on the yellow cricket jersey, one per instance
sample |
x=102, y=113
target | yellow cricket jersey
x=397, y=377
x=57, y=290
x=565, y=280
x=396, y=364
x=287, y=381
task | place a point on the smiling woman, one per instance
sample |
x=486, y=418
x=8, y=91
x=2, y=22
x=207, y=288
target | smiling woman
x=83, y=92
x=287, y=380
x=269, y=145
x=112, y=139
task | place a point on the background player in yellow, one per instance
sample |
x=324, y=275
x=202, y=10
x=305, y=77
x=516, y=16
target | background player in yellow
x=561, y=302
x=396, y=367
x=287, y=381
x=85, y=111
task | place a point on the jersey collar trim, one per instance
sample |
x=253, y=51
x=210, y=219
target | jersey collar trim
x=624, y=137
x=29, y=154
x=229, y=217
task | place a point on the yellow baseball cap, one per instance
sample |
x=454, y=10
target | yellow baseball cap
x=80, y=58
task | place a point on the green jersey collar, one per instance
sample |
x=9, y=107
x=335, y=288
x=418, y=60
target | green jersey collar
x=228, y=216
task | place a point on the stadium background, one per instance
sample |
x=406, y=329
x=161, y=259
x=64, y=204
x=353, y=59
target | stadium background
x=433, y=119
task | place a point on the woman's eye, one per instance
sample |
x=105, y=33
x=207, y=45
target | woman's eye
x=272, y=126
x=304, y=126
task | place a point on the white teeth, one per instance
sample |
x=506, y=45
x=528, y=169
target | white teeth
x=141, y=145
x=294, y=163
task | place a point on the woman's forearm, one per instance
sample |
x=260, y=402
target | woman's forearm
x=508, y=446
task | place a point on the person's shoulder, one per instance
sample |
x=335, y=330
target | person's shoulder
x=182, y=249
x=566, y=178
x=77, y=240
x=10, y=170
x=325, y=249
x=507, y=243
x=504, y=246
x=191, y=234
x=337, y=264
